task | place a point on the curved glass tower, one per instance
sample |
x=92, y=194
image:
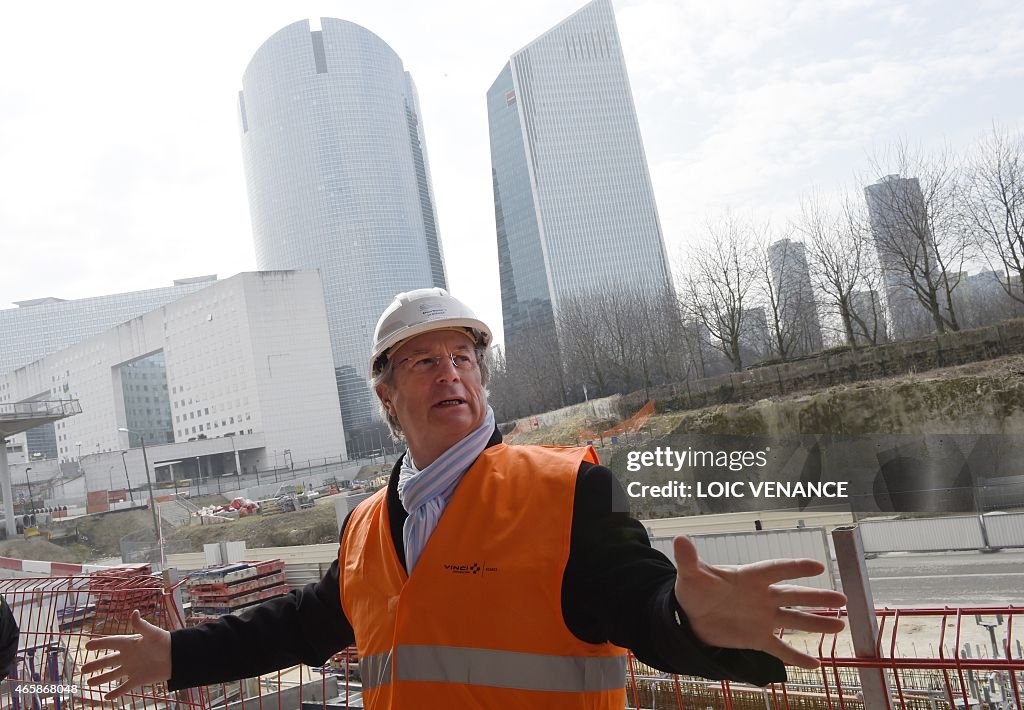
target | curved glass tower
x=338, y=180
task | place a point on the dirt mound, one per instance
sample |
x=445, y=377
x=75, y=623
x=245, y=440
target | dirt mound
x=101, y=533
x=311, y=526
x=569, y=431
x=210, y=499
x=37, y=548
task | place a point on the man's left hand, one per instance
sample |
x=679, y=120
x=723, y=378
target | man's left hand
x=742, y=606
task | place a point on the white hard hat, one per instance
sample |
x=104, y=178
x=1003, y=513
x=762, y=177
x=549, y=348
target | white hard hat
x=416, y=312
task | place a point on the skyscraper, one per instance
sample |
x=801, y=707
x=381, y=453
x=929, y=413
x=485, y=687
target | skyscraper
x=798, y=316
x=868, y=318
x=899, y=226
x=338, y=180
x=573, y=201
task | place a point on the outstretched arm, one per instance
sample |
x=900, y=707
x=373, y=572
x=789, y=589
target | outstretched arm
x=743, y=606
x=307, y=625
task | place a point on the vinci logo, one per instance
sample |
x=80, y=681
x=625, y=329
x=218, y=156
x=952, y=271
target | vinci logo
x=463, y=569
x=474, y=568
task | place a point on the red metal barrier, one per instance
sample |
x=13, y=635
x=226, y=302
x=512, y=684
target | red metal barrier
x=925, y=656
x=931, y=659
x=57, y=615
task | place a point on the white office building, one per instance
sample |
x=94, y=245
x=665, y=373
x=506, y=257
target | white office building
x=40, y=326
x=245, y=363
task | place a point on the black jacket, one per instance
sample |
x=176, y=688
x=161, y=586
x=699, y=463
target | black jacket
x=616, y=588
x=8, y=639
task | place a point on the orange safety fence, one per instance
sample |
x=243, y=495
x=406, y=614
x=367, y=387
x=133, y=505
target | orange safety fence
x=930, y=659
x=635, y=422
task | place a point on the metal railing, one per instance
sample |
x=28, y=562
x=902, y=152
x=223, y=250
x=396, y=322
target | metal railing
x=948, y=675
x=928, y=659
x=45, y=408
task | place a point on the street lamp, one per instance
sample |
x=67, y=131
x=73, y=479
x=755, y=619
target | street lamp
x=234, y=450
x=380, y=444
x=31, y=504
x=126, y=479
x=149, y=482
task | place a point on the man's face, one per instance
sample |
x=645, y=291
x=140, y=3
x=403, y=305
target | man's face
x=437, y=403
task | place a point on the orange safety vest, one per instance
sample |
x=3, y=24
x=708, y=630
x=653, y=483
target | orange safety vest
x=479, y=623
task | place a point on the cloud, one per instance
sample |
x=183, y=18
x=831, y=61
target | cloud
x=802, y=103
x=121, y=152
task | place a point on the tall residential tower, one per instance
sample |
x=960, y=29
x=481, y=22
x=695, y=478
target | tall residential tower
x=573, y=201
x=338, y=180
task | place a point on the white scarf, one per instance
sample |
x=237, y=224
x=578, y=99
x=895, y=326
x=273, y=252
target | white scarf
x=425, y=493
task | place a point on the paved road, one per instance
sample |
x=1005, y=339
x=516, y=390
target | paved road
x=952, y=578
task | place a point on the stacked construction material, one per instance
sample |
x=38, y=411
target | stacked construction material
x=237, y=508
x=229, y=589
x=270, y=506
x=119, y=591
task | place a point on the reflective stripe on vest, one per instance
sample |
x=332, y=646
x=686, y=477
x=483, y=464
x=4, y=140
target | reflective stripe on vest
x=375, y=670
x=498, y=669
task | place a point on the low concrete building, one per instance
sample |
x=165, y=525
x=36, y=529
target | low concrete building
x=243, y=365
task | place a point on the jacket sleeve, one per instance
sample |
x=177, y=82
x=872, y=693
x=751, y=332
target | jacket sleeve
x=306, y=626
x=8, y=639
x=618, y=588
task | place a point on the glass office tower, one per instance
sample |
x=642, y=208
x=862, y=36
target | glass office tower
x=898, y=216
x=338, y=180
x=573, y=201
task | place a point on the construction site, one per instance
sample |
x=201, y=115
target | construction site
x=934, y=618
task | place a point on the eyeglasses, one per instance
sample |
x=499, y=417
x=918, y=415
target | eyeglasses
x=423, y=364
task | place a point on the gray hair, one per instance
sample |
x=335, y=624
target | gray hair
x=386, y=377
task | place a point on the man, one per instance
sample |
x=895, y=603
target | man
x=8, y=639
x=488, y=575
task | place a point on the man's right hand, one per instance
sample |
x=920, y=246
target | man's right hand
x=138, y=659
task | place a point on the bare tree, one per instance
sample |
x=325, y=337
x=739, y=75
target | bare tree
x=699, y=356
x=529, y=376
x=784, y=288
x=994, y=205
x=619, y=339
x=920, y=238
x=843, y=269
x=718, y=287
x=581, y=327
x=624, y=344
x=661, y=320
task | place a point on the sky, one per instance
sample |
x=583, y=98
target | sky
x=120, y=154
